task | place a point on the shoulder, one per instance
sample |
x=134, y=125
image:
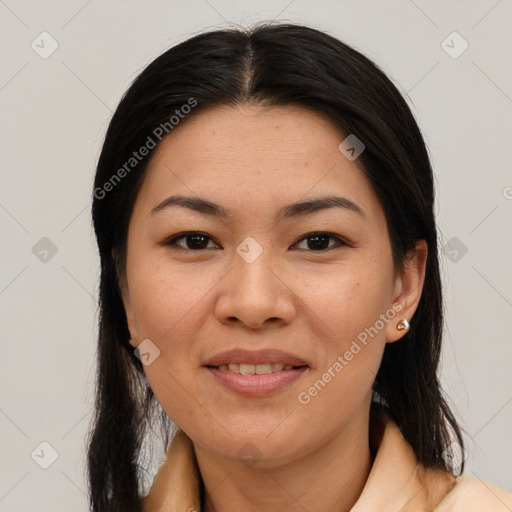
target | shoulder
x=474, y=495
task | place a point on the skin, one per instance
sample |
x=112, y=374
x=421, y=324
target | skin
x=309, y=302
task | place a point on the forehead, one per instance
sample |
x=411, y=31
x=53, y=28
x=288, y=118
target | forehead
x=266, y=156
x=280, y=134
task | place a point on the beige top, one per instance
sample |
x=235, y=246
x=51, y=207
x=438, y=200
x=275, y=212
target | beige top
x=397, y=482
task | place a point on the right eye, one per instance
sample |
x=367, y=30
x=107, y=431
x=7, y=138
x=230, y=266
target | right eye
x=193, y=241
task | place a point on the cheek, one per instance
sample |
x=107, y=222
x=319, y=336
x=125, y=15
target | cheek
x=352, y=349
x=171, y=304
x=349, y=304
x=346, y=300
x=168, y=300
x=170, y=382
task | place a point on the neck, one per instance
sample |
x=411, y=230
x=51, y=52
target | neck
x=330, y=479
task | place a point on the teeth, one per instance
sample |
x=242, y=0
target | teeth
x=247, y=369
x=263, y=369
x=255, y=369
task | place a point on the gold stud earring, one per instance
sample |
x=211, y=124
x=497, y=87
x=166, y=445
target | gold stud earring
x=403, y=325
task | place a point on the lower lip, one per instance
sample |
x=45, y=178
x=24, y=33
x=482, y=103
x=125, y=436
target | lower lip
x=257, y=385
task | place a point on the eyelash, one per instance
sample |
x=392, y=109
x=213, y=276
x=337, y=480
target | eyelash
x=171, y=242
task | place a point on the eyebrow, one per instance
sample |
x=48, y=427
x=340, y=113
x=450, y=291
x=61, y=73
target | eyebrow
x=298, y=209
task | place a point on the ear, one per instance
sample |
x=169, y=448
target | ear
x=408, y=289
x=130, y=318
x=125, y=297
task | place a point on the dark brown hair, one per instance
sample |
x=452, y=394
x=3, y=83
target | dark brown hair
x=271, y=64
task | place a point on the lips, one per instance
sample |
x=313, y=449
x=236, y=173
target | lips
x=255, y=369
x=255, y=357
x=256, y=373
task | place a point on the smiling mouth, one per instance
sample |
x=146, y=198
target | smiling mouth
x=256, y=369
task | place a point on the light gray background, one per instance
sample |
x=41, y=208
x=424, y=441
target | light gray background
x=54, y=115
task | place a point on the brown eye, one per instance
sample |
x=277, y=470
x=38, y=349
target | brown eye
x=320, y=241
x=193, y=241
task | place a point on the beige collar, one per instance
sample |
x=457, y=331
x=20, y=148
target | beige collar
x=396, y=481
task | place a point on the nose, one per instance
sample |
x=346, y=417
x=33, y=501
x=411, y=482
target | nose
x=256, y=294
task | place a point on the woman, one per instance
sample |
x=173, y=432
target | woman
x=263, y=206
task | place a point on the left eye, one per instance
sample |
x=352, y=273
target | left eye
x=319, y=241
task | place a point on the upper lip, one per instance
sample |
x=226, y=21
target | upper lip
x=263, y=356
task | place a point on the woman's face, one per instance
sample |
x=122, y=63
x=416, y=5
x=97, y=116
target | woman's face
x=253, y=280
